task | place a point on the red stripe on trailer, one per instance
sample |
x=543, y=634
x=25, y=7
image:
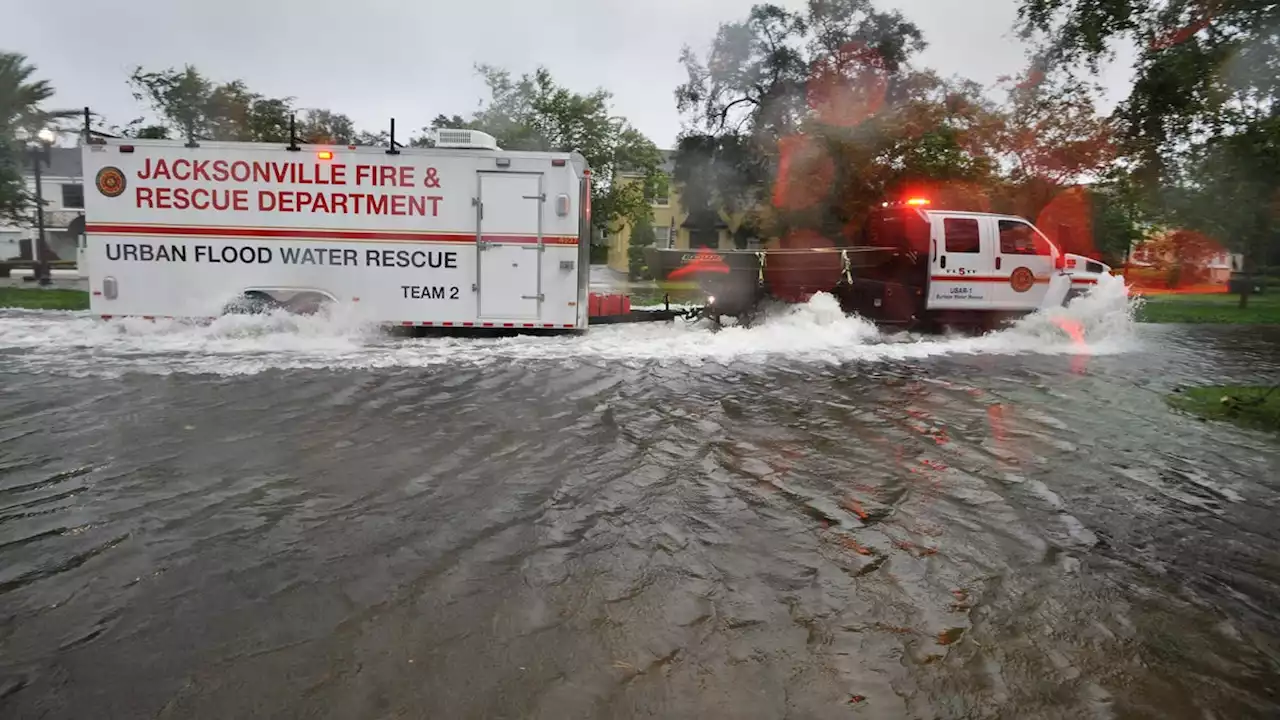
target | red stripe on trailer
x=318, y=234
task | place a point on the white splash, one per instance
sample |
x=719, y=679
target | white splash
x=82, y=345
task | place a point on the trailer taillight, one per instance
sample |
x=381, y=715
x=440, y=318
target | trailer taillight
x=126, y=148
x=325, y=155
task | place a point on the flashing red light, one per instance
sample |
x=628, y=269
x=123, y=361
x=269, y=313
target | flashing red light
x=917, y=202
x=325, y=155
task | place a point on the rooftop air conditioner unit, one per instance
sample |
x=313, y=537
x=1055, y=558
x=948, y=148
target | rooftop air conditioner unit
x=465, y=139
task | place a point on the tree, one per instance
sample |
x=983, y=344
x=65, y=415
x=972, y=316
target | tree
x=536, y=113
x=642, y=237
x=194, y=107
x=824, y=106
x=325, y=127
x=1053, y=138
x=1200, y=119
x=22, y=113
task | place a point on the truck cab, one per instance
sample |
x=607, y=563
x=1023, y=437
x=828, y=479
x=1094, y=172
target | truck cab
x=955, y=267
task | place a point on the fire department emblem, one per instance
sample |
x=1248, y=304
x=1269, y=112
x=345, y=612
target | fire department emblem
x=110, y=181
x=1022, y=279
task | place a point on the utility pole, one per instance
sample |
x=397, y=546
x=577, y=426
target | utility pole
x=39, y=152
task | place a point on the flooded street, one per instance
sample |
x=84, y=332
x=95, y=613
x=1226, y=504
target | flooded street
x=302, y=518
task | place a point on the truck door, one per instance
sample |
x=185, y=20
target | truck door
x=962, y=271
x=509, y=243
x=1025, y=259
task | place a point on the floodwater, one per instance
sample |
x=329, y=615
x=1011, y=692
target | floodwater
x=274, y=517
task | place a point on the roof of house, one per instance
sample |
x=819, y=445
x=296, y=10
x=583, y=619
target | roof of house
x=62, y=162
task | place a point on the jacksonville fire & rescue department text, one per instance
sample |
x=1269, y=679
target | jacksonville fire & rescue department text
x=319, y=201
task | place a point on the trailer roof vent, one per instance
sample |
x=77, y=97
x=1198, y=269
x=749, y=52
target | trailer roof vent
x=468, y=139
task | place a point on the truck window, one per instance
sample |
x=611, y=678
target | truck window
x=962, y=235
x=1019, y=238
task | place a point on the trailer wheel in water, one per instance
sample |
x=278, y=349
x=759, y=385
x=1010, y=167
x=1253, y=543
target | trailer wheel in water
x=253, y=302
x=307, y=303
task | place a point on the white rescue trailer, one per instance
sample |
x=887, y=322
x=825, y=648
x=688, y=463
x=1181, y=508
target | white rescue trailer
x=462, y=234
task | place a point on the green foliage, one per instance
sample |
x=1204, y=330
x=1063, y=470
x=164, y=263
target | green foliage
x=535, y=113
x=44, y=298
x=1219, y=308
x=1253, y=407
x=1117, y=219
x=642, y=237
x=819, y=114
x=1199, y=127
x=325, y=127
x=22, y=113
x=192, y=106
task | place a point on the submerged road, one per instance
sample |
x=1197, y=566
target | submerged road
x=294, y=522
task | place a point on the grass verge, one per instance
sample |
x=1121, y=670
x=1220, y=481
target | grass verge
x=44, y=298
x=1255, y=407
x=1211, y=308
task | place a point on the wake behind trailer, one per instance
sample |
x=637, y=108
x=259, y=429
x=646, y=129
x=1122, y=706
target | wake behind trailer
x=460, y=234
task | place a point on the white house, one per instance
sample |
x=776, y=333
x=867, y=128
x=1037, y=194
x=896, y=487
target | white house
x=62, y=185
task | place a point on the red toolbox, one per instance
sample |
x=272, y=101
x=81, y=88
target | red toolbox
x=612, y=305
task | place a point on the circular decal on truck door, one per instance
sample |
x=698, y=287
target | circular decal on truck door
x=1022, y=279
x=110, y=181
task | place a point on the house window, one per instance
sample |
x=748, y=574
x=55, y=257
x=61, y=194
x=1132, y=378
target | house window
x=663, y=199
x=663, y=236
x=73, y=197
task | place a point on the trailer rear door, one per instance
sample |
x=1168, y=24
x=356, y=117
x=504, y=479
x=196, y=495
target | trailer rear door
x=509, y=243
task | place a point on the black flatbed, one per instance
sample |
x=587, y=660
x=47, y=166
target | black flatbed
x=639, y=316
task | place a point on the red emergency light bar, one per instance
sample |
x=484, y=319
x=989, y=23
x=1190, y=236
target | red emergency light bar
x=909, y=202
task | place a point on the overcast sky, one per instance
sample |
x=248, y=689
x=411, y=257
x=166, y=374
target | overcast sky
x=375, y=59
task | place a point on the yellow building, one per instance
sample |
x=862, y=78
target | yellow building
x=669, y=223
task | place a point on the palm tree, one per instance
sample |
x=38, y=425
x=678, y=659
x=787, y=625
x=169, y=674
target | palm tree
x=21, y=115
x=21, y=98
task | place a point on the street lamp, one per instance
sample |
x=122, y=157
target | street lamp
x=38, y=147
